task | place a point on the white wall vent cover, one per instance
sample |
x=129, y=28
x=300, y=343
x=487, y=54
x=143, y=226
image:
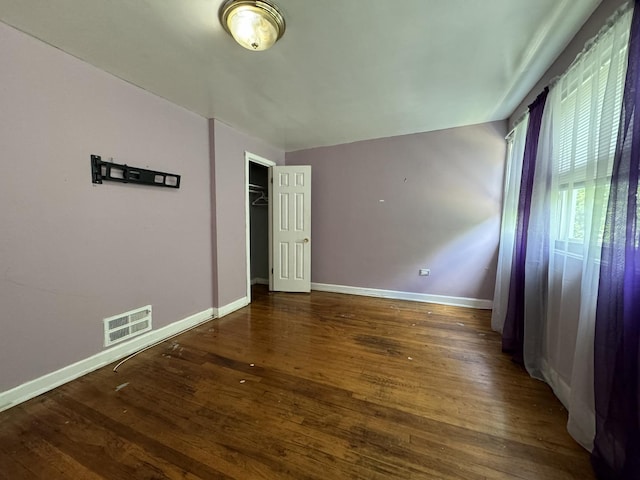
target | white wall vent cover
x=127, y=325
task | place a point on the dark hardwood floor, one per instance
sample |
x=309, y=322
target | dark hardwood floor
x=295, y=386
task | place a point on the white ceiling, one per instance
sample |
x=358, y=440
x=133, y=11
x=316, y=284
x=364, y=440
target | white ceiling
x=345, y=70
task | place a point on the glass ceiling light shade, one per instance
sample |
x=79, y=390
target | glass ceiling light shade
x=254, y=24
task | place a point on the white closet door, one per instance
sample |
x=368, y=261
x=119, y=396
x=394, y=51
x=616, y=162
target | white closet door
x=291, y=206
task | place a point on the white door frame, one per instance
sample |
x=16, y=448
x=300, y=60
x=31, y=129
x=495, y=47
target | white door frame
x=252, y=157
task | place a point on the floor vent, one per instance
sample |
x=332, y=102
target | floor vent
x=127, y=325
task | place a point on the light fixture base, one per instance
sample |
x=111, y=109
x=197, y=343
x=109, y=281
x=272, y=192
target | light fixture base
x=254, y=24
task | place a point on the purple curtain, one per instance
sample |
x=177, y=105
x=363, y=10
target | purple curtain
x=513, y=331
x=616, y=452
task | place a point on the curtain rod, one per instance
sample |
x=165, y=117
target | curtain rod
x=518, y=121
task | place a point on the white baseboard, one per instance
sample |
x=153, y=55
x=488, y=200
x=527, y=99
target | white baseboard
x=416, y=297
x=231, y=307
x=259, y=281
x=52, y=380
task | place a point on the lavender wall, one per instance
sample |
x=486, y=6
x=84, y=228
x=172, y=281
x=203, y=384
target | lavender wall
x=229, y=194
x=589, y=30
x=442, y=193
x=72, y=253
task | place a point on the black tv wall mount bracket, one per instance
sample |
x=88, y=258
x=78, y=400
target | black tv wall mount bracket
x=115, y=172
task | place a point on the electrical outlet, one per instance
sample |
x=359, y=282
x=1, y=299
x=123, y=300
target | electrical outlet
x=424, y=272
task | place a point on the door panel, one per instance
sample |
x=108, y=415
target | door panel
x=291, y=192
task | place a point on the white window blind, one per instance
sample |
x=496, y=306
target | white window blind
x=585, y=127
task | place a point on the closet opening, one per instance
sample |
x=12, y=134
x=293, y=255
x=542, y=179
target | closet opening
x=258, y=214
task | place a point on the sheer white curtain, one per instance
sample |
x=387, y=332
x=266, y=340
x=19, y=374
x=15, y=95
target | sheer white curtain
x=596, y=186
x=513, y=173
x=573, y=168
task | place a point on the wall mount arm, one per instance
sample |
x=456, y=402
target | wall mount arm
x=115, y=172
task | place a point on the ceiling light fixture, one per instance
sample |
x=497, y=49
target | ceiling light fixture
x=254, y=24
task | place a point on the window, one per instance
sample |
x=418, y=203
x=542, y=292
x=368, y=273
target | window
x=585, y=140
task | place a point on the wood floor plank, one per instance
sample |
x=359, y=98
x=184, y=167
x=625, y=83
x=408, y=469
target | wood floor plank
x=300, y=386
